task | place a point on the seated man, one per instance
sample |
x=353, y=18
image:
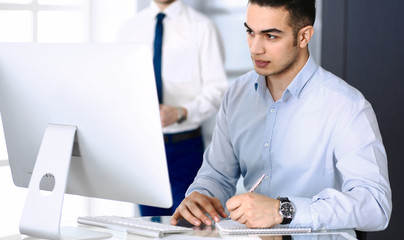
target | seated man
x=315, y=138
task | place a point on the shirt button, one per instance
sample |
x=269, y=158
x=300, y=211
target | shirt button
x=266, y=145
x=272, y=110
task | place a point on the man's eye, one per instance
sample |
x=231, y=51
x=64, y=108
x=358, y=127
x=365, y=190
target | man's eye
x=271, y=36
x=249, y=32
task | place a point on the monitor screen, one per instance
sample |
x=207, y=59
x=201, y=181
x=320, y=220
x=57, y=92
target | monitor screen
x=101, y=95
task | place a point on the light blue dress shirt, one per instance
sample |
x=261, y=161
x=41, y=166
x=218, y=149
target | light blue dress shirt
x=319, y=145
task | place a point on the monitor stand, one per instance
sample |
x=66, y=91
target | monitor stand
x=43, y=210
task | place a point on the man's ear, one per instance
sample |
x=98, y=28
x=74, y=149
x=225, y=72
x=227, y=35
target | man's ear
x=304, y=36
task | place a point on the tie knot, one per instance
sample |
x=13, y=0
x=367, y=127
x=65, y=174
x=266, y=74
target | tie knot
x=160, y=16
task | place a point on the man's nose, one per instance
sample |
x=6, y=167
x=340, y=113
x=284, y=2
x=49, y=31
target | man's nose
x=257, y=45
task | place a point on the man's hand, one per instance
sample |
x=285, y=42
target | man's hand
x=168, y=115
x=194, y=208
x=254, y=210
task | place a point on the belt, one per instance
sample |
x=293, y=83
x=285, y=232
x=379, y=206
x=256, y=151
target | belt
x=178, y=137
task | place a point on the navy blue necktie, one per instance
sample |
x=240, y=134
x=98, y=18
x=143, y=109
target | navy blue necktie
x=158, y=41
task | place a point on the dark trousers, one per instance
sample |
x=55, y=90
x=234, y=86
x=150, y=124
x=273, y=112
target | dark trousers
x=184, y=159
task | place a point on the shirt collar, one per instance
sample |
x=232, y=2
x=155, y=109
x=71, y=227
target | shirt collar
x=298, y=83
x=301, y=79
x=171, y=11
x=260, y=85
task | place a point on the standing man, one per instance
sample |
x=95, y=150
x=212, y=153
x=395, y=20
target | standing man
x=190, y=79
x=314, y=138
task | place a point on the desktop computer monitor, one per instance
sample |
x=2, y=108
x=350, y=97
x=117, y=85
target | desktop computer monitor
x=81, y=119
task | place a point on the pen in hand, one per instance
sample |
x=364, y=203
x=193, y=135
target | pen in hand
x=259, y=181
x=235, y=204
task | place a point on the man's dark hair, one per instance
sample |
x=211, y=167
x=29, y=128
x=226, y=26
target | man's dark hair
x=302, y=12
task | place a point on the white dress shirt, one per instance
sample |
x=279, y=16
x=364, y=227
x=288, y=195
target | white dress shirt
x=319, y=145
x=193, y=71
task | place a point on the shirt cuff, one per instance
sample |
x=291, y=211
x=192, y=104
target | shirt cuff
x=192, y=114
x=302, y=216
x=207, y=187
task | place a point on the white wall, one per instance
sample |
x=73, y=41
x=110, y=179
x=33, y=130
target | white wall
x=108, y=16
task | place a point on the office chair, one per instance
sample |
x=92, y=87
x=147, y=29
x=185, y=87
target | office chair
x=360, y=235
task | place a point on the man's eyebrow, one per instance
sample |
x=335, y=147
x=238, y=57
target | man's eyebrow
x=270, y=30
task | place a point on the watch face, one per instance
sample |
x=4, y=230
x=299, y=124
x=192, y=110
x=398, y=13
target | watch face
x=287, y=209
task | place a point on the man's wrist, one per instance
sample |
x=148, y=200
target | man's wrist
x=181, y=114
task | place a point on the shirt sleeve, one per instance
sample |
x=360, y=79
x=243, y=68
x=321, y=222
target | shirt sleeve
x=364, y=202
x=213, y=76
x=220, y=169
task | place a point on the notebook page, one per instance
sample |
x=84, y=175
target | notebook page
x=230, y=227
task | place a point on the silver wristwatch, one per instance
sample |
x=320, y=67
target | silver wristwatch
x=180, y=115
x=286, y=209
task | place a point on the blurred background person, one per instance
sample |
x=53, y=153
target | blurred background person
x=190, y=78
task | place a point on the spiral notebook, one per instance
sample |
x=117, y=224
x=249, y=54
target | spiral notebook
x=230, y=227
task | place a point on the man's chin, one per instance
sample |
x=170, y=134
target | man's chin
x=261, y=71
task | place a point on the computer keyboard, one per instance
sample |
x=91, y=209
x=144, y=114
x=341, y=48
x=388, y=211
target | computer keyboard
x=133, y=225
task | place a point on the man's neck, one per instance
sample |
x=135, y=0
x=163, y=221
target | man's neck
x=277, y=84
x=162, y=5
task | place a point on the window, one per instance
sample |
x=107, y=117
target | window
x=44, y=20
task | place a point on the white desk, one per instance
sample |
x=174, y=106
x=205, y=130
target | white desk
x=209, y=232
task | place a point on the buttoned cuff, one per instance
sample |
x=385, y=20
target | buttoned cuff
x=302, y=216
